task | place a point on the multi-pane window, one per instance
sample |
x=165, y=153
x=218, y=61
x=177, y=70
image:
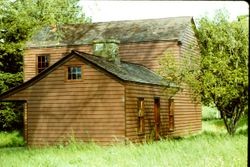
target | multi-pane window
x=74, y=73
x=140, y=110
x=42, y=62
x=171, y=115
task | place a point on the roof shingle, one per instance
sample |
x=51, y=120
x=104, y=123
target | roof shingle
x=127, y=71
x=125, y=31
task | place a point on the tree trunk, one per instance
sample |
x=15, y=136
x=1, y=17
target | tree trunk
x=232, y=120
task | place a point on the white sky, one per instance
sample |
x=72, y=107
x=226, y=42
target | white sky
x=101, y=11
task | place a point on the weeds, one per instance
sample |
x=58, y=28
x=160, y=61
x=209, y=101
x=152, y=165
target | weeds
x=13, y=139
x=212, y=147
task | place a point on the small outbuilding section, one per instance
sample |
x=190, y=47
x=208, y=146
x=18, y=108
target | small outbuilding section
x=92, y=98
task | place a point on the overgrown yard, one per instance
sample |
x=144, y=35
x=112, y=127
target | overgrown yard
x=211, y=148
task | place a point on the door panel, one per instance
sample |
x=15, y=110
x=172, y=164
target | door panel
x=157, y=118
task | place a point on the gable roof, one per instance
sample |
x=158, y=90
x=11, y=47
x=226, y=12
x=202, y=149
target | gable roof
x=170, y=28
x=125, y=71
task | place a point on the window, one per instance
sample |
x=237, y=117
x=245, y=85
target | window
x=42, y=62
x=140, y=110
x=74, y=73
x=171, y=115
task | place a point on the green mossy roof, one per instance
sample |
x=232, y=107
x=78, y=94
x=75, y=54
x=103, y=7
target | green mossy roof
x=125, y=31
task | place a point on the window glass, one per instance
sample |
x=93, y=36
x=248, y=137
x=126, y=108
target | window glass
x=42, y=62
x=75, y=73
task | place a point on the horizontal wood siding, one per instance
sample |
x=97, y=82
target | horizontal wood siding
x=189, y=46
x=147, y=53
x=90, y=110
x=133, y=91
x=56, y=53
x=187, y=115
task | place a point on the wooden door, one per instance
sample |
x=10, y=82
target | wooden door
x=157, y=117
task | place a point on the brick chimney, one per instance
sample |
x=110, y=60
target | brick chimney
x=108, y=49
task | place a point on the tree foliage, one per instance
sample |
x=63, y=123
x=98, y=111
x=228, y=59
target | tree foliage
x=221, y=79
x=182, y=71
x=224, y=50
x=19, y=20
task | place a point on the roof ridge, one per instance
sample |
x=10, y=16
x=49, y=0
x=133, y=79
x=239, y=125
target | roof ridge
x=136, y=20
x=126, y=31
x=132, y=20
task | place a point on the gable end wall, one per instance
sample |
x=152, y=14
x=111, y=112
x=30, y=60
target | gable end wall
x=90, y=110
x=56, y=53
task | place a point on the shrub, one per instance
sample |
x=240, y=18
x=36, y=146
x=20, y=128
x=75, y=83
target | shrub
x=11, y=139
x=209, y=113
x=11, y=116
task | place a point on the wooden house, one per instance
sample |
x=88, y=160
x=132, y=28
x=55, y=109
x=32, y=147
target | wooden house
x=72, y=89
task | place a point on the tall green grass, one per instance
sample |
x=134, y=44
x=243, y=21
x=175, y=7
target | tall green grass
x=211, y=148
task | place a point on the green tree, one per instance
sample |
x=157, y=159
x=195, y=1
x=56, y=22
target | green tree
x=19, y=20
x=220, y=75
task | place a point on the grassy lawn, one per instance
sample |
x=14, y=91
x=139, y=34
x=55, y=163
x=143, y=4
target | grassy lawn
x=213, y=147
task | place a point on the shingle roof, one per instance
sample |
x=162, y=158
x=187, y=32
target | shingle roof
x=125, y=72
x=125, y=31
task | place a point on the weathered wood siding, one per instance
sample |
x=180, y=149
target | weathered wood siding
x=133, y=92
x=189, y=45
x=187, y=115
x=147, y=53
x=190, y=121
x=92, y=109
x=56, y=53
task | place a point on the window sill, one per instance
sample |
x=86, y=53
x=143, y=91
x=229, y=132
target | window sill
x=79, y=80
